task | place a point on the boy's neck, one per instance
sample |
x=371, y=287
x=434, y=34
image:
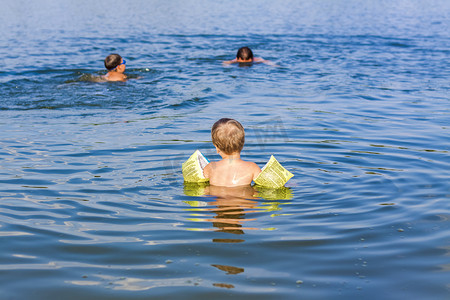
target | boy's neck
x=233, y=156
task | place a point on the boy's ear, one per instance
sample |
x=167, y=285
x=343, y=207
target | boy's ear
x=217, y=149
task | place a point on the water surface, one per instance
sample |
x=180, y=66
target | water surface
x=92, y=201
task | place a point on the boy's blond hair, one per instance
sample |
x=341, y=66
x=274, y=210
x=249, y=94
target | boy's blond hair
x=228, y=135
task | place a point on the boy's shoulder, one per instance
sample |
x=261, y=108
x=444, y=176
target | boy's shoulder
x=250, y=164
x=251, y=167
x=225, y=164
x=115, y=77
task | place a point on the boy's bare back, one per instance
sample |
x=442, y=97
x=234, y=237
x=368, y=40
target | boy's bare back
x=231, y=172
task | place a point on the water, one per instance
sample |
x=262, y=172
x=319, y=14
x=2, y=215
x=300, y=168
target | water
x=92, y=202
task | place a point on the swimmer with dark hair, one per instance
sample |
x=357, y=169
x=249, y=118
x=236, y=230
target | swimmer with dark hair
x=116, y=66
x=245, y=55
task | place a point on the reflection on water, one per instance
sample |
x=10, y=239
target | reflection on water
x=120, y=283
x=229, y=270
x=247, y=192
x=229, y=208
x=232, y=207
x=223, y=285
x=282, y=193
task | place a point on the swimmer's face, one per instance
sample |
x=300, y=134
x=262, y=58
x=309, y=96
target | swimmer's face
x=121, y=68
x=240, y=60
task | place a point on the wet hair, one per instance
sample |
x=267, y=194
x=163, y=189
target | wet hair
x=244, y=53
x=228, y=135
x=112, y=61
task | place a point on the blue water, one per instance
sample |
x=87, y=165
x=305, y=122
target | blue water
x=92, y=200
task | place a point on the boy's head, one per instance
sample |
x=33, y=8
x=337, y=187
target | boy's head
x=228, y=136
x=244, y=54
x=112, y=61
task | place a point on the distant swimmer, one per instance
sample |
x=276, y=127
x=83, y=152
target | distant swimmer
x=245, y=55
x=116, y=66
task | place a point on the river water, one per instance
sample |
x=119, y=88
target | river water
x=92, y=200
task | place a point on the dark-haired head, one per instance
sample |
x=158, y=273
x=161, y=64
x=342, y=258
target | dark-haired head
x=244, y=54
x=112, y=61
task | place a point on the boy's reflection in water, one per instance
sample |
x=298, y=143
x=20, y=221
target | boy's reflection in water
x=231, y=206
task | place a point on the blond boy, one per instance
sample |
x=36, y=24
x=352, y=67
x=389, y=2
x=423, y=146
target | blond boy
x=116, y=66
x=228, y=137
